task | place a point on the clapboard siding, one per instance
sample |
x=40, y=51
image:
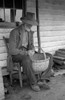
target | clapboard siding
x=44, y=4
x=2, y=43
x=51, y=33
x=3, y=59
x=1, y=86
x=4, y=34
x=52, y=28
x=54, y=48
x=52, y=25
x=3, y=51
x=3, y=56
x=50, y=39
x=3, y=63
x=52, y=44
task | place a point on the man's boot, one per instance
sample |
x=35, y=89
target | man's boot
x=36, y=88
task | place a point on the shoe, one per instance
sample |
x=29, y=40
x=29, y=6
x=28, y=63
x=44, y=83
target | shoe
x=40, y=83
x=35, y=88
x=43, y=85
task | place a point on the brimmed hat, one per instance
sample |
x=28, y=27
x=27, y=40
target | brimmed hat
x=29, y=19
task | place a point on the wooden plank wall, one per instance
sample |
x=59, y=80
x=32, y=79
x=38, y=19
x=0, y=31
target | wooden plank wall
x=3, y=51
x=3, y=59
x=52, y=25
x=1, y=87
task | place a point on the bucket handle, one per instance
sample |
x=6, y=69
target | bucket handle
x=42, y=51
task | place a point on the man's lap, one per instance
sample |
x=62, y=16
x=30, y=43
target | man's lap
x=20, y=58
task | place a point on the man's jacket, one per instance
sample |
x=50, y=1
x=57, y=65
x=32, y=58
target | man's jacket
x=15, y=43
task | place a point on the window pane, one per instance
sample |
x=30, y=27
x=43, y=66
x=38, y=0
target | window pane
x=7, y=15
x=18, y=15
x=1, y=3
x=18, y=4
x=1, y=15
x=8, y=3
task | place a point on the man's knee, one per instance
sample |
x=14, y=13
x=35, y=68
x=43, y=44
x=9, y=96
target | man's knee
x=27, y=60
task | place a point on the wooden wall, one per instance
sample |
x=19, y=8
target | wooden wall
x=3, y=59
x=3, y=51
x=52, y=25
x=1, y=86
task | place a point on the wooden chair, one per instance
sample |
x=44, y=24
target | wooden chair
x=17, y=68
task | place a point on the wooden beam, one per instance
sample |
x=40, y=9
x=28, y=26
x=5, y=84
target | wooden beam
x=4, y=9
x=38, y=31
x=24, y=4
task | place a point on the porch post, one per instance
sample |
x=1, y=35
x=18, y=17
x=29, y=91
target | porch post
x=24, y=6
x=38, y=31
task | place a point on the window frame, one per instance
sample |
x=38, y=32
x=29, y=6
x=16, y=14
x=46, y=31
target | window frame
x=11, y=24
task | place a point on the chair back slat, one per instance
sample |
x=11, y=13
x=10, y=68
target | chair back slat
x=6, y=40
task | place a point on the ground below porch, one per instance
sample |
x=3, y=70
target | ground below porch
x=56, y=91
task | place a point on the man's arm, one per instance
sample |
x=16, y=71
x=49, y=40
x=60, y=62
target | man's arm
x=12, y=43
x=13, y=49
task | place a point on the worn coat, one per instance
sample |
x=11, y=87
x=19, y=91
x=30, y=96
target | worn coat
x=14, y=41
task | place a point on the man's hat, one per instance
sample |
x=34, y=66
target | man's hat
x=29, y=19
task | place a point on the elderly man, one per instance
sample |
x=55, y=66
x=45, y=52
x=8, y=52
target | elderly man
x=20, y=42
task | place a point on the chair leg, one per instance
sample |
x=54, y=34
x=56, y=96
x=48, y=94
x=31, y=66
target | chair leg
x=20, y=76
x=11, y=78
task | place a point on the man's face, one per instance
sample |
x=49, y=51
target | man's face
x=34, y=28
x=28, y=27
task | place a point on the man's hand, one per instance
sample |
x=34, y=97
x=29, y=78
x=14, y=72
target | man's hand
x=23, y=52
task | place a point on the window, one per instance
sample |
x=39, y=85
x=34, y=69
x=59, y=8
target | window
x=11, y=10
